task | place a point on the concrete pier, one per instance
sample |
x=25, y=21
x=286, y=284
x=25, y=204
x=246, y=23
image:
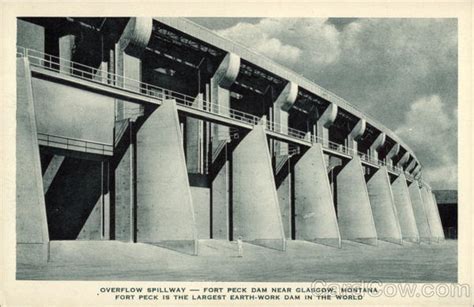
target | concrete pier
x=354, y=212
x=256, y=213
x=419, y=212
x=31, y=227
x=316, y=219
x=432, y=214
x=383, y=207
x=165, y=213
x=406, y=216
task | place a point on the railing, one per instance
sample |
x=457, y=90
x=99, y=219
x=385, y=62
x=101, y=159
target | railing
x=74, y=144
x=283, y=129
x=77, y=70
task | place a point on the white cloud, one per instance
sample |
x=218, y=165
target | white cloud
x=431, y=130
x=288, y=40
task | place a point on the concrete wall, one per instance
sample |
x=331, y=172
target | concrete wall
x=431, y=210
x=284, y=200
x=419, y=212
x=124, y=198
x=440, y=228
x=314, y=207
x=165, y=213
x=353, y=205
x=220, y=203
x=92, y=229
x=201, y=203
x=66, y=111
x=74, y=193
x=383, y=207
x=406, y=216
x=31, y=225
x=30, y=36
x=256, y=214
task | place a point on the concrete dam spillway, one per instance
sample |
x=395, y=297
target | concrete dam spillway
x=158, y=131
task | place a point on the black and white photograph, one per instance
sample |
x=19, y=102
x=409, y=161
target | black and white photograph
x=315, y=152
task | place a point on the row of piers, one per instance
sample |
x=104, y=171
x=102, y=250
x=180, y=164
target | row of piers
x=173, y=180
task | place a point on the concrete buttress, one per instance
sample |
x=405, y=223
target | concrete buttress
x=256, y=213
x=165, y=213
x=436, y=230
x=439, y=223
x=32, y=236
x=419, y=212
x=406, y=216
x=383, y=207
x=353, y=205
x=314, y=206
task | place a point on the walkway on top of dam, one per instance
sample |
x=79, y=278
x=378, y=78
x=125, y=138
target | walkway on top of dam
x=61, y=70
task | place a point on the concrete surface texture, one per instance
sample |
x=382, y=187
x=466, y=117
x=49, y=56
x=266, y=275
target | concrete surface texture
x=124, y=196
x=315, y=214
x=431, y=209
x=439, y=224
x=66, y=111
x=256, y=214
x=284, y=201
x=31, y=226
x=302, y=262
x=419, y=212
x=165, y=215
x=383, y=207
x=194, y=140
x=406, y=216
x=354, y=212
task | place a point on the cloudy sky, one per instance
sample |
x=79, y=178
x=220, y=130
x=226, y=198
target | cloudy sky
x=401, y=71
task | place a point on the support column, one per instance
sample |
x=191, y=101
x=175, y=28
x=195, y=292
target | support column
x=411, y=166
x=282, y=105
x=165, y=213
x=32, y=238
x=440, y=224
x=432, y=214
x=375, y=147
x=355, y=135
x=322, y=126
x=194, y=141
x=315, y=219
x=324, y=122
x=419, y=212
x=403, y=160
x=220, y=84
x=128, y=52
x=406, y=216
x=416, y=170
x=391, y=154
x=125, y=61
x=353, y=205
x=256, y=213
x=66, y=46
x=383, y=207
